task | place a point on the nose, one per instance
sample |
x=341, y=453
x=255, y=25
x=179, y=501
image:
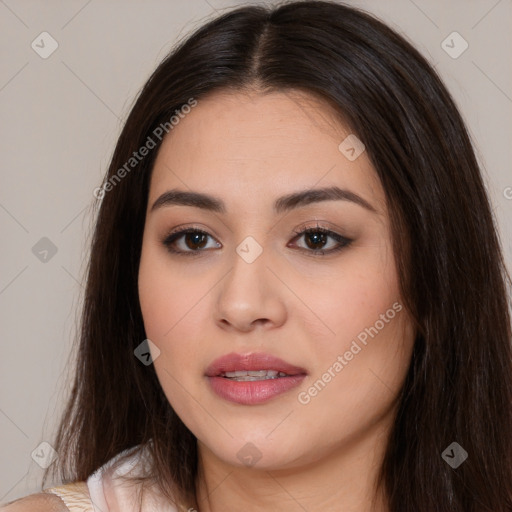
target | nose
x=251, y=295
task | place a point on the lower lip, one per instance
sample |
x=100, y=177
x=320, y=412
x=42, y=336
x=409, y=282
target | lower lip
x=253, y=392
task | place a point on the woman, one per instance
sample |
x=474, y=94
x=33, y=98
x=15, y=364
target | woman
x=296, y=297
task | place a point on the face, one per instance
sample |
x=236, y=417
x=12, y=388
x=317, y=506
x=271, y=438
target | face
x=256, y=278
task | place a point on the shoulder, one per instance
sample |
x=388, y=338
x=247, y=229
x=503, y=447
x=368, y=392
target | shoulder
x=69, y=497
x=42, y=502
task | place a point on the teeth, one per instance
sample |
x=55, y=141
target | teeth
x=252, y=375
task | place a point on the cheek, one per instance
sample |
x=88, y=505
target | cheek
x=168, y=297
x=358, y=315
x=343, y=302
x=173, y=306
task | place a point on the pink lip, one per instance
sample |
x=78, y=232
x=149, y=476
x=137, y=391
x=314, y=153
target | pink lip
x=255, y=361
x=253, y=392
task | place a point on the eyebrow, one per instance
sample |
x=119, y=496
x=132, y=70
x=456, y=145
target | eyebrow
x=282, y=204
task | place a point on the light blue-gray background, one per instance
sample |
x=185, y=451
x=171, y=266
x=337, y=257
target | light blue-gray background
x=60, y=120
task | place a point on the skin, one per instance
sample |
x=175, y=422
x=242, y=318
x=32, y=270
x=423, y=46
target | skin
x=249, y=148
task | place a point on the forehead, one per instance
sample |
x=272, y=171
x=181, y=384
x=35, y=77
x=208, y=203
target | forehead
x=255, y=145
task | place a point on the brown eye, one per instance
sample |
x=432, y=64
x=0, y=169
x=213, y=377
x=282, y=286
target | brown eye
x=318, y=241
x=188, y=241
x=195, y=240
x=317, y=238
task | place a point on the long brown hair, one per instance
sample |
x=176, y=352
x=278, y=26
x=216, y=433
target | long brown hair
x=452, y=275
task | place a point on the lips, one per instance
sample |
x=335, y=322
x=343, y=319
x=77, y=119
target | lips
x=281, y=377
x=251, y=362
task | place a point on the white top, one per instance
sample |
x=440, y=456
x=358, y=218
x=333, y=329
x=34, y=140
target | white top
x=102, y=492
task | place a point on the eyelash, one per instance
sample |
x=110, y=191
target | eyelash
x=342, y=241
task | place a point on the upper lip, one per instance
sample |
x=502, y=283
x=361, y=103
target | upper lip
x=254, y=361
